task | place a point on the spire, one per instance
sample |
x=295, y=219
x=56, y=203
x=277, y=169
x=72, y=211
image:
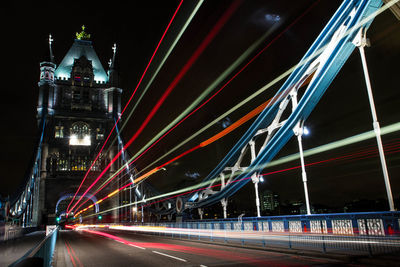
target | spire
x=114, y=48
x=111, y=64
x=50, y=48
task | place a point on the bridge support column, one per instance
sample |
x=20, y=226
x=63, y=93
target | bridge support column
x=361, y=41
x=224, y=203
x=201, y=212
x=255, y=177
x=256, y=180
x=299, y=132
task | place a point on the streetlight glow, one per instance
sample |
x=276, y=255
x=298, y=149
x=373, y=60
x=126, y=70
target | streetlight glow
x=306, y=131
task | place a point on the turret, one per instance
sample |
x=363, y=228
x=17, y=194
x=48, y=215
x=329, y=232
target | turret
x=114, y=93
x=46, y=90
x=46, y=86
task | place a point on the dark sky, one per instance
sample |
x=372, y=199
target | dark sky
x=342, y=112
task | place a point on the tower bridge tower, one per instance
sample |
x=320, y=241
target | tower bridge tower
x=77, y=107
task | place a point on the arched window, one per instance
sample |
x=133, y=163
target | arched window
x=80, y=134
x=59, y=131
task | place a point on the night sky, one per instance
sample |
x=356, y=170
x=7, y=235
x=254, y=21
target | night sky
x=342, y=112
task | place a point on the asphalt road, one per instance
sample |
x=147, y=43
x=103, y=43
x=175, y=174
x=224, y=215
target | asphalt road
x=79, y=248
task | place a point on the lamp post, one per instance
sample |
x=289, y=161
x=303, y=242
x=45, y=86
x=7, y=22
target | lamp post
x=299, y=130
x=361, y=41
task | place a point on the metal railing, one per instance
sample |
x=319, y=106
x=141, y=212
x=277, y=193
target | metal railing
x=10, y=232
x=368, y=233
x=42, y=254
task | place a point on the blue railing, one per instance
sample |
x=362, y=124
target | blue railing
x=42, y=254
x=364, y=233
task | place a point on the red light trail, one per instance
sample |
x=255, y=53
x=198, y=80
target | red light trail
x=215, y=253
x=390, y=148
x=363, y=154
x=72, y=255
x=210, y=36
x=233, y=126
x=137, y=86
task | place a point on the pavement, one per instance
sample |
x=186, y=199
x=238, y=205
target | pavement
x=12, y=250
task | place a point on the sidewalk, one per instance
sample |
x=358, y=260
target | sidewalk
x=12, y=250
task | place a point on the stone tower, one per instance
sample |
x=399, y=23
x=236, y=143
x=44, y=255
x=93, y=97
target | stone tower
x=78, y=105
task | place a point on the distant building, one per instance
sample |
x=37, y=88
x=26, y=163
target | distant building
x=269, y=201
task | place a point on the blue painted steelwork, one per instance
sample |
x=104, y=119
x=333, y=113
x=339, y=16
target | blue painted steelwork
x=390, y=221
x=18, y=206
x=326, y=56
x=66, y=196
x=362, y=233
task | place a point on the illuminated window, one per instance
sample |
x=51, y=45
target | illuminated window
x=99, y=134
x=62, y=164
x=97, y=164
x=79, y=164
x=59, y=132
x=80, y=134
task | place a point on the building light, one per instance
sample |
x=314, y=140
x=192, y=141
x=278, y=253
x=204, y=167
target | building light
x=75, y=141
x=306, y=131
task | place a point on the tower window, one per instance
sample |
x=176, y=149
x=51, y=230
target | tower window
x=62, y=164
x=79, y=134
x=86, y=96
x=59, y=132
x=79, y=163
x=99, y=134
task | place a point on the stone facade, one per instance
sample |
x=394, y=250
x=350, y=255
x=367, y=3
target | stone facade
x=77, y=107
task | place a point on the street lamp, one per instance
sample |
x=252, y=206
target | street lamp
x=306, y=131
x=299, y=130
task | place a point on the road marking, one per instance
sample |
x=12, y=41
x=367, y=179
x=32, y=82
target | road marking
x=176, y=258
x=129, y=244
x=132, y=245
x=201, y=265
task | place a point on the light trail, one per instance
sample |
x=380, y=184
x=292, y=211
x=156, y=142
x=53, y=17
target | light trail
x=203, y=144
x=270, y=237
x=161, y=65
x=364, y=154
x=200, y=49
x=185, y=114
x=70, y=255
x=270, y=84
x=215, y=253
x=70, y=249
x=267, y=86
x=203, y=185
x=137, y=86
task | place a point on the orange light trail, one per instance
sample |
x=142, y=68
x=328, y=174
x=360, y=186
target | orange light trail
x=233, y=126
x=200, y=49
x=137, y=86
